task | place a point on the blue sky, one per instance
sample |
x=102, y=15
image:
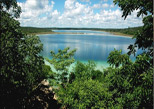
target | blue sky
x=75, y=13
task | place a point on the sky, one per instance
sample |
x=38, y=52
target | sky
x=75, y=13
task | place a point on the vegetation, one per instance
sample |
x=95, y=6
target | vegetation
x=61, y=61
x=34, y=30
x=127, y=31
x=84, y=94
x=125, y=84
x=21, y=67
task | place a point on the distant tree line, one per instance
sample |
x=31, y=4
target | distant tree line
x=35, y=30
x=128, y=31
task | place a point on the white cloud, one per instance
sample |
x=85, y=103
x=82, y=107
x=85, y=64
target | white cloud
x=85, y=0
x=40, y=13
x=69, y=4
x=34, y=8
x=96, y=6
x=36, y=12
x=105, y=5
x=112, y=5
x=75, y=14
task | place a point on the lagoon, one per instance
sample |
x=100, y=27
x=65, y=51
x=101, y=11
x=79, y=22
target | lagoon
x=90, y=45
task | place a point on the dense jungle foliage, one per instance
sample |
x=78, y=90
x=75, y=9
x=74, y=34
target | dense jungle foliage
x=125, y=84
x=21, y=67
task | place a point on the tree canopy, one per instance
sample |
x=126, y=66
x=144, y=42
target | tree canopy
x=144, y=37
x=21, y=66
x=133, y=80
x=144, y=7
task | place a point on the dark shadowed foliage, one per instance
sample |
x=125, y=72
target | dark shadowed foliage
x=21, y=66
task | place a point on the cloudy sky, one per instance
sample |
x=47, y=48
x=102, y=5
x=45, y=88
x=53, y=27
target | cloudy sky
x=75, y=13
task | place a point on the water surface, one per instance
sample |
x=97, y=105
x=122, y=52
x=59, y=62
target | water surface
x=92, y=45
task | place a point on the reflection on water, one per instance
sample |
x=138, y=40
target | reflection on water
x=89, y=47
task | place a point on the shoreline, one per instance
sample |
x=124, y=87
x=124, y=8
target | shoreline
x=53, y=33
x=120, y=34
x=114, y=33
x=100, y=65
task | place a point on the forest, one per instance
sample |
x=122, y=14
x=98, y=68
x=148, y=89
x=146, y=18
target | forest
x=35, y=30
x=23, y=72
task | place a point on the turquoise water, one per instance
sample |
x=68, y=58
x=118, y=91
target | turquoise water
x=91, y=45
